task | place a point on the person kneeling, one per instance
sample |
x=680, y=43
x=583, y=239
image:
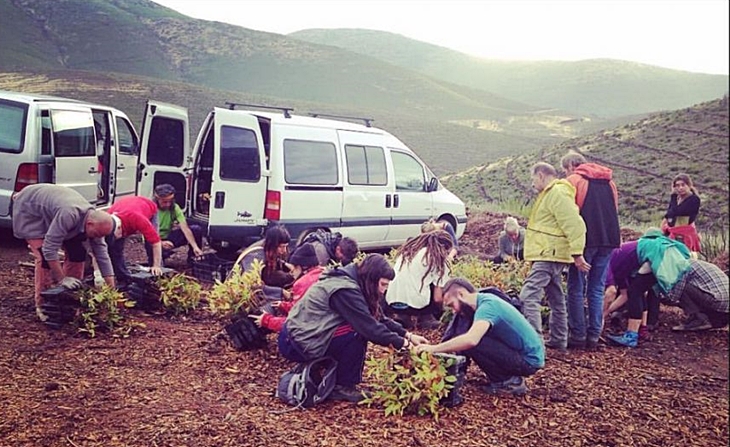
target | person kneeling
x=500, y=340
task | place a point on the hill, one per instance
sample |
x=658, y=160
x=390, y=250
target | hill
x=644, y=156
x=602, y=87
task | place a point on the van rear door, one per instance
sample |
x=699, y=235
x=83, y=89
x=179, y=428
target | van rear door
x=165, y=150
x=74, y=148
x=238, y=187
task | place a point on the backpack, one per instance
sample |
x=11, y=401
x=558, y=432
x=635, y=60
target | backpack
x=308, y=384
x=513, y=300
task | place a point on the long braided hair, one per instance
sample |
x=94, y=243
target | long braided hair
x=369, y=273
x=438, y=245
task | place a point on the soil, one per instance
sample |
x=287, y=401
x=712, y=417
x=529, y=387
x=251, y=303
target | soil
x=177, y=382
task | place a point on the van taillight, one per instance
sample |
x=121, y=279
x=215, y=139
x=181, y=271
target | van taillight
x=27, y=175
x=273, y=205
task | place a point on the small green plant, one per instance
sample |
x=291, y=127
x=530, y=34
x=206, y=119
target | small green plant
x=101, y=310
x=240, y=292
x=179, y=293
x=508, y=277
x=408, y=383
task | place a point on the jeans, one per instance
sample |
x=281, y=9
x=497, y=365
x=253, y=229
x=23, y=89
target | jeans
x=348, y=349
x=546, y=277
x=589, y=286
x=116, y=254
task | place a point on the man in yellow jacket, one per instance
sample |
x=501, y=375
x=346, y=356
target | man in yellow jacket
x=555, y=237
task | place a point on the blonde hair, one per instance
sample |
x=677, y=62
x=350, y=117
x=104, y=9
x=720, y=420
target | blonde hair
x=429, y=226
x=511, y=224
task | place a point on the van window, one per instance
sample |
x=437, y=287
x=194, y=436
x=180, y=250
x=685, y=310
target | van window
x=73, y=133
x=366, y=165
x=166, y=142
x=408, y=173
x=12, y=126
x=127, y=139
x=45, y=133
x=239, y=155
x=310, y=162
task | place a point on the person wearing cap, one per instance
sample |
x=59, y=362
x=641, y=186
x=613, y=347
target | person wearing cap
x=306, y=268
x=50, y=217
x=173, y=229
x=133, y=214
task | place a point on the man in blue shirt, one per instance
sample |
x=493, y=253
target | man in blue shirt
x=500, y=340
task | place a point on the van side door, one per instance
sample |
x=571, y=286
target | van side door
x=367, y=191
x=164, y=151
x=238, y=187
x=127, y=151
x=74, y=148
x=412, y=203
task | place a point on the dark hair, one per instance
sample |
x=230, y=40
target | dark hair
x=274, y=237
x=369, y=273
x=164, y=190
x=458, y=282
x=438, y=245
x=349, y=249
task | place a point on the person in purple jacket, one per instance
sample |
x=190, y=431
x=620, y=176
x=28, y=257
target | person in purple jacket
x=50, y=217
x=623, y=267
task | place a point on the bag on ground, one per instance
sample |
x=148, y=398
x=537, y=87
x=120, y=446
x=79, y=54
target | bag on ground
x=308, y=384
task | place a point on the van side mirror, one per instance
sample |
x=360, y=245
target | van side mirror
x=433, y=184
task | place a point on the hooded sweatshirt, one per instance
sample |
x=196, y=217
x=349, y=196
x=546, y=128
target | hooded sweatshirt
x=597, y=198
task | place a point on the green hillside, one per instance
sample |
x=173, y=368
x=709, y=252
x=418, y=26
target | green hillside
x=601, y=87
x=644, y=156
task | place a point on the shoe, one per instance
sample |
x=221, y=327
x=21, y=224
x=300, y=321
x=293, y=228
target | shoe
x=574, y=343
x=41, y=315
x=644, y=333
x=628, y=339
x=550, y=344
x=695, y=324
x=347, y=394
x=514, y=385
x=591, y=345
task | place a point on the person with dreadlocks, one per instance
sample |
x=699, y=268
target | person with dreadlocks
x=422, y=267
x=337, y=316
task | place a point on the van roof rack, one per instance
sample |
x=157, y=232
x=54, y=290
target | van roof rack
x=285, y=110
x=368, y=121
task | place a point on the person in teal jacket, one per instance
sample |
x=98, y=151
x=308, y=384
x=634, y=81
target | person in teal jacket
x=555, y=238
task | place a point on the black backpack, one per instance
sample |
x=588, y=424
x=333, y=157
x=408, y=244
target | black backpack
x=308, y=383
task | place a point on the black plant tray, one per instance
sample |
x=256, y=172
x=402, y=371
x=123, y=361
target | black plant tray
x=245, y=335
x=457, y=369
x=60, y=306
x=142, y=289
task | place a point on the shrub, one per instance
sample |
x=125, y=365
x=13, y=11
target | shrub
x=179, y=293
x=508, y=276
x=408, y=383
x=102, y=310
x=242, y=291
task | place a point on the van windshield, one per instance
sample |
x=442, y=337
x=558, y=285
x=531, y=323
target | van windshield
x=12, y=126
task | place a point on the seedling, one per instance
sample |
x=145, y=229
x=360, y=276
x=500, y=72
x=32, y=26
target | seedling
x=101, y=310
x=241, y=292
x=179, y=293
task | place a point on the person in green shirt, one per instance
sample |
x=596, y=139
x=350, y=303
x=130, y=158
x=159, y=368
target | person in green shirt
x=173, y=227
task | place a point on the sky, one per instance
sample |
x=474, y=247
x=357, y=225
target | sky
x=691, y=35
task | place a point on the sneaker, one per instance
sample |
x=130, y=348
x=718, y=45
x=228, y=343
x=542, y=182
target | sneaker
x=628, y=339
x=644, y=333
x=514, y=385
x=550, y=344
x=347, y=394
x=41, y=315
x=574, y=343
x=695, y=324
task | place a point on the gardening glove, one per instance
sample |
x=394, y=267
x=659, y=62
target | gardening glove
x=71, y=283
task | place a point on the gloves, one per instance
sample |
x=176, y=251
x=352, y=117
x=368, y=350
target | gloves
x=71, y=283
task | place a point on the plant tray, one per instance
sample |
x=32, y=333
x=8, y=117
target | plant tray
x=60, y=306
x=143, y=289
x=211, y=268
x=457, y=369
x=245, y=335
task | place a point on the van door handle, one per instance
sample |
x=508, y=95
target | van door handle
x=220, y=199
x=387, y=200
x=121, y=167
x=93, y=170
x=395, y=200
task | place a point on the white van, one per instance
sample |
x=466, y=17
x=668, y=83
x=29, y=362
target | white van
x=43, y=139
x=250, y=169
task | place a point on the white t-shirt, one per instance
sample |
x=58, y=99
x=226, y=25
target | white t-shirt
x=407, y=286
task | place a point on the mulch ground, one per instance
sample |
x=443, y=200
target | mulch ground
x=175, y=382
